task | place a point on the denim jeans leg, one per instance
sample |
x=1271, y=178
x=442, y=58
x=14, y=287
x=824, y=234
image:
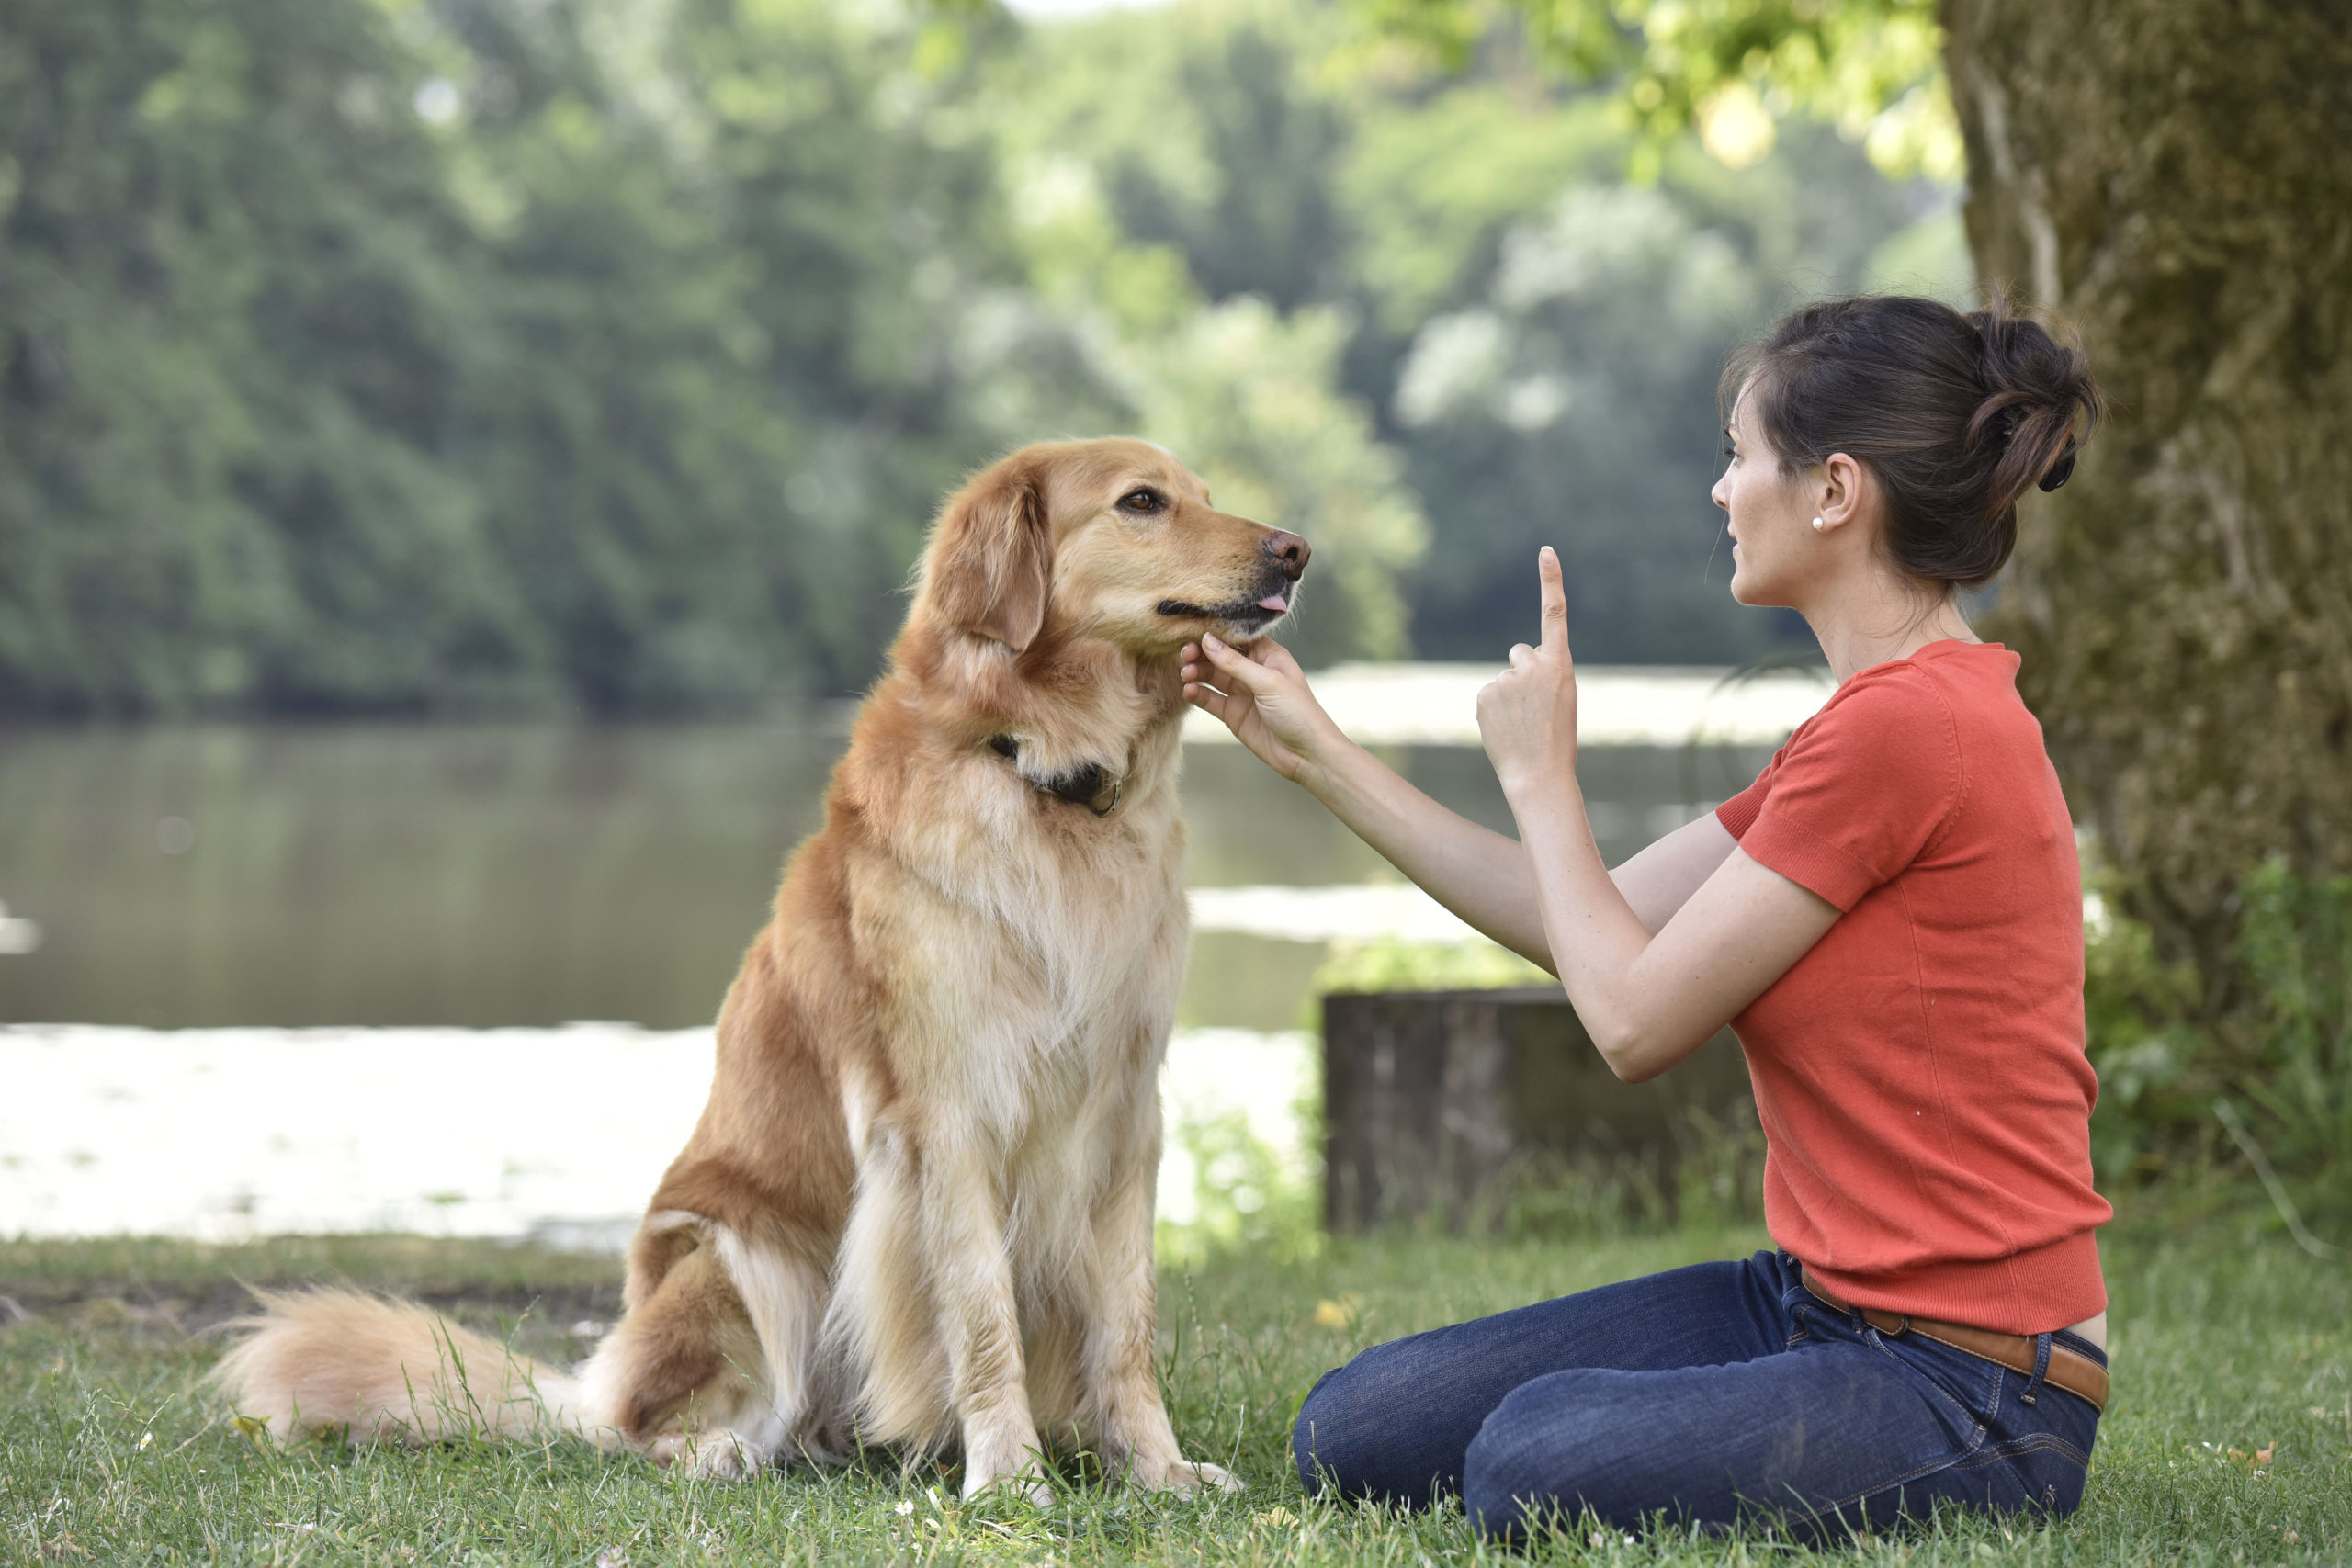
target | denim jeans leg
x=2035, y=1451
x=1394, y=1423
x=1814, y=1431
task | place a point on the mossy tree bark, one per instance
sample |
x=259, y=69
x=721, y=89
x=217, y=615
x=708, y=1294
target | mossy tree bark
x=2174, y=178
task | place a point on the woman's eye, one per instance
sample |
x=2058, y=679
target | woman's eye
x=1730, y=453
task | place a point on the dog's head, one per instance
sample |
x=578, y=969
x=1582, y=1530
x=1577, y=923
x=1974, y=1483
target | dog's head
x=1111, y=538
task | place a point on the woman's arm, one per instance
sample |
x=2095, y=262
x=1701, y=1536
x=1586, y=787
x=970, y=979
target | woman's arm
x=1660, y=880
x=1262, y=694
x=1647, y=995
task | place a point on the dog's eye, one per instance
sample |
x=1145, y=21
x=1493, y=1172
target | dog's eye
x=1143, y=500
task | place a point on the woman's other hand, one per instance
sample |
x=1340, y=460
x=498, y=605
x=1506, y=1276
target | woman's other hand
x=1527, y=715
x=1261, y=694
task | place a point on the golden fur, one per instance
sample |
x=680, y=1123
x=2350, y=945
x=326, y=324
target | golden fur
x=918, y=1207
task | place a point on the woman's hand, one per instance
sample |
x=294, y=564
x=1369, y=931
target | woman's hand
x=1260, y=694
x=1527, y=715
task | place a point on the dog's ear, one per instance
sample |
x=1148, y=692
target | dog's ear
x=992, y=556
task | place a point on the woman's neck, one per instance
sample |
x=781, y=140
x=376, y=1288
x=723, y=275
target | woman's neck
x=1882, y=621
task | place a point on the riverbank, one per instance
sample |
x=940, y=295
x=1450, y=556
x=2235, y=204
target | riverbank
x=549, y=1135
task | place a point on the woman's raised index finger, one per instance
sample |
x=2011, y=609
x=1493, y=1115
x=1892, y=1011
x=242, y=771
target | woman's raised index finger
x=1556, y=600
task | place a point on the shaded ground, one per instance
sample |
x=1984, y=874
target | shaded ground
x=167, y=1290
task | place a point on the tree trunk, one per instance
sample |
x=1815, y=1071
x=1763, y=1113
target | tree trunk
x=1435, y=1101
x=2174, y=178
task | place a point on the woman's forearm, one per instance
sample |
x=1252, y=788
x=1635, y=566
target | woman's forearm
x=1478, y=874
x=1586, y=922
x=1642, y=994
x=1262, y=696
x=1650, y=996
x=1485, y=876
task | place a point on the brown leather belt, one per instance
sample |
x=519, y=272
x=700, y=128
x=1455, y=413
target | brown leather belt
x=2069, y=1369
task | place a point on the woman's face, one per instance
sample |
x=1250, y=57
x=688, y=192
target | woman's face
x=1773, y=548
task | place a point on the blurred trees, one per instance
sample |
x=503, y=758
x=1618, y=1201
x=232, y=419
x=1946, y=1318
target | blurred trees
x=1532, y=326
x=489, y=356
x=609, y=357
x=233, y=329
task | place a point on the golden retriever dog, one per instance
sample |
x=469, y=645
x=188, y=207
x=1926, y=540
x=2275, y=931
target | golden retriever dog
x=918, y=1209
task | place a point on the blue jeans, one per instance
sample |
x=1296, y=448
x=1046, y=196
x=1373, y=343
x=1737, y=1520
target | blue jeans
x=1712, y=1393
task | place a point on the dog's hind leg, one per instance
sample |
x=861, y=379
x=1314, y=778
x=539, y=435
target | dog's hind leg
x=683, y=1378
x=784, y=1291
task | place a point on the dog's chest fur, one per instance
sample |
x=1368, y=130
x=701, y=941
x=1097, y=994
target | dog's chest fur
x=1030, y=953
x=1038, y=952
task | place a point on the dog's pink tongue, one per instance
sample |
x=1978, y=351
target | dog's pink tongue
x=1273, y=601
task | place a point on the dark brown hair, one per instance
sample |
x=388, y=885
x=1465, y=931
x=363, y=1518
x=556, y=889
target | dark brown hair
x=1956, y=415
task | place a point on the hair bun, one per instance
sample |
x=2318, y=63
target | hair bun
x=2037, y=389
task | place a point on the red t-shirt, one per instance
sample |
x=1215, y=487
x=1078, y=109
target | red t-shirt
x=1920, y=1072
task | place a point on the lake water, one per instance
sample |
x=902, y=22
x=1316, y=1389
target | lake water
x=495, y=875
x=236, y=959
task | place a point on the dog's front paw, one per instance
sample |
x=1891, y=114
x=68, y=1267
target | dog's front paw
x=708, y=1456
x=1188, y=1480
x=1006, y=1459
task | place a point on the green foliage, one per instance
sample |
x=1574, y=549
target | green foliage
x=1249, y=398
x=466, y=356
x=1535, y=333
x=1176, y=201
x=2136, y=1014
x=1436, y=182
x=1727, y=67
x=222, y=371
x=2282, y=1046
x=1247, y=1196
x=1390, y=966
x=2295, y=946
x=1561, y=395
x=475, y=355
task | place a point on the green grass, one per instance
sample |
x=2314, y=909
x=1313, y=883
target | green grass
x=2226, y=1339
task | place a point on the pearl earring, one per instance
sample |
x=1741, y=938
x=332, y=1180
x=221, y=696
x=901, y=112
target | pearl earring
x=1816, y=525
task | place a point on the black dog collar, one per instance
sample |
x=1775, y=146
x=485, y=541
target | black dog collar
x=1089, y=785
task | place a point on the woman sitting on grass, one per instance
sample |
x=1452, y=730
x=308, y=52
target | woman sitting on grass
x=1890, y=918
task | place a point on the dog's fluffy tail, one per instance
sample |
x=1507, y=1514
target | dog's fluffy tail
x=376, y=1369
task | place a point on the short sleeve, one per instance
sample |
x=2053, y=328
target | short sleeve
x=1858, y=793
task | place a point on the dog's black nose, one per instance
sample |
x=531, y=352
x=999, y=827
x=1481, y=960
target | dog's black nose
x=1289, y=552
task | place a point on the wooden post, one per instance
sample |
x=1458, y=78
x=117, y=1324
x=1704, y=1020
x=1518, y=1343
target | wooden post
x=1429, y=1096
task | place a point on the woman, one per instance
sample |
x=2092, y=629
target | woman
x=1891, y=920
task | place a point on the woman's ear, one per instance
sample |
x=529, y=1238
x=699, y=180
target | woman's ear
x=1841, y=492
x=991, y=558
